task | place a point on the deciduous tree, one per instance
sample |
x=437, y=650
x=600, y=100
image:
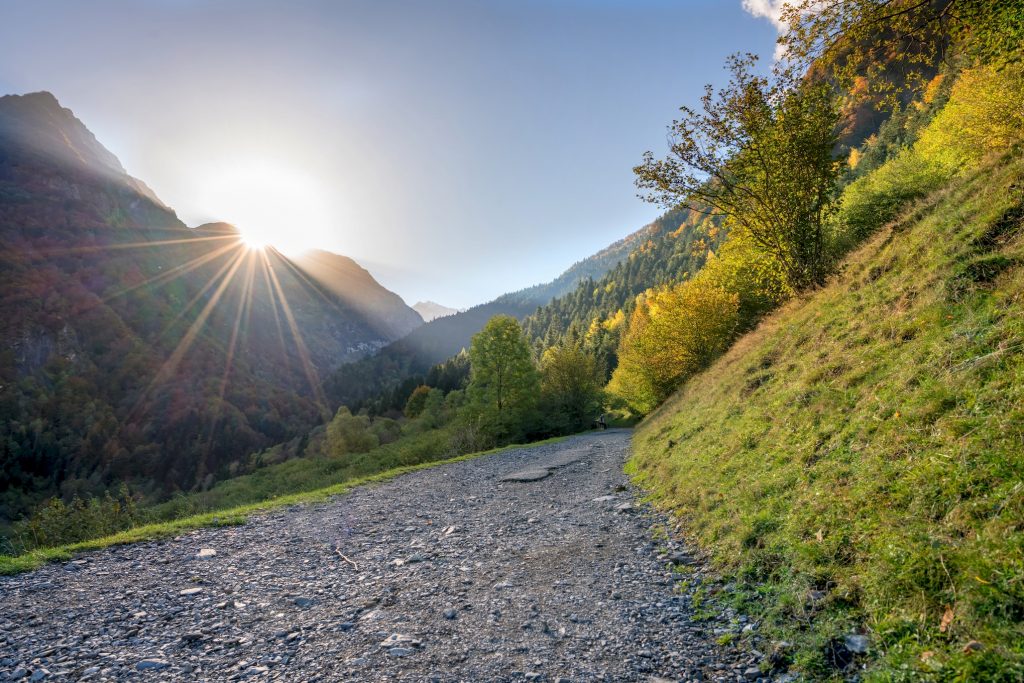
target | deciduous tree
x=760, y=153
x=504, y=386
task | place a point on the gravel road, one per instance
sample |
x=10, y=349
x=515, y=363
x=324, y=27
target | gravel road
x=535, y=564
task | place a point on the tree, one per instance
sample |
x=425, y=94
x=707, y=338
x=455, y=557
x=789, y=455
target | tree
x=348, y=433
x=571, y=393
x=894, y=44
x=503, y=383
x=417, y=399
x=673, y=333
x=760, y=153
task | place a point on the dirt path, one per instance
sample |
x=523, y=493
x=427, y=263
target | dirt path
x=533, y=564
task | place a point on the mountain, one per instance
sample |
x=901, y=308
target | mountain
x=430, y=310
x=353, y=284
x=135, y=348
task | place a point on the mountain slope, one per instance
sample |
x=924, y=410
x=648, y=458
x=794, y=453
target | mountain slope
x=353, y=284
x=135, y=348
x=429, y=310
x=855, y=462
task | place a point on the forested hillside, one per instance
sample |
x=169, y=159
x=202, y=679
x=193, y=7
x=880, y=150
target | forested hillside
x=138, y=350
x=384, y=381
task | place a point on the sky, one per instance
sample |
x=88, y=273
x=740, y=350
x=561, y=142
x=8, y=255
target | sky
x=458, y=149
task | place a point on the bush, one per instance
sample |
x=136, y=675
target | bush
x=983, y=116
x=348, y=433
x=57, y=523
x=876, y=199
x=386, y=430
x=571, y=396
x=673, y=333
x=417, y=400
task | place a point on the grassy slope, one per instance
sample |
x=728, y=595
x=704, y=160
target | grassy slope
x=868, y=441
x=303, y=480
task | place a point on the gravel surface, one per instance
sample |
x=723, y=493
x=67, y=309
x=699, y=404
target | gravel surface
x=535, y=564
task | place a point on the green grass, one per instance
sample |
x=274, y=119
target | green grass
x=293, y=476
x=867, y=441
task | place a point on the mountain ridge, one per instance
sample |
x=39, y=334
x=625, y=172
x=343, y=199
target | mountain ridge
x=141, y=349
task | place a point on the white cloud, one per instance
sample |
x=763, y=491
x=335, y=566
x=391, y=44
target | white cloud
x=769, y=9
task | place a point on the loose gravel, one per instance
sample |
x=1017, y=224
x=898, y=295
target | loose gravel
x=462, y=572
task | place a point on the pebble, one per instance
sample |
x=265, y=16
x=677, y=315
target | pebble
x=147, y=664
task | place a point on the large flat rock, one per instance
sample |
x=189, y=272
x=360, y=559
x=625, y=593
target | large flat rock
x=527, y=475
x=543, y=469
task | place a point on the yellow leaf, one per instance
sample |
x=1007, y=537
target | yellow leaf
x=947, y=619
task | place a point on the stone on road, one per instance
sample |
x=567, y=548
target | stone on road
x=518, y=565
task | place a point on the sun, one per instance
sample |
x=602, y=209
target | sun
x=253, y=243
x=271, y=204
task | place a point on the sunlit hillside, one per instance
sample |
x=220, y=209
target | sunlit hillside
x=854, y=463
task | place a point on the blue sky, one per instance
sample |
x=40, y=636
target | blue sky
x=457, y=149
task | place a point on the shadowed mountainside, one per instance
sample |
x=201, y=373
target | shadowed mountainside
x=138, y=349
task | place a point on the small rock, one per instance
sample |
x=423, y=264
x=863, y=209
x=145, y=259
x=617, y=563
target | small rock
x=155, y=664
x=400, y=639
x=450, y=613
x=680, y=558
x=190, y=591
x=304, y=602
x=192, y=637
x=857, y=643
x=752, y=673
x=400, y=651
x=206, y=553
x=18, y=674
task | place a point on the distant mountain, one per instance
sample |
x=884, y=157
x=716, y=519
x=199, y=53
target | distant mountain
x=443, y=337
x=133, y=347
x=430, y=310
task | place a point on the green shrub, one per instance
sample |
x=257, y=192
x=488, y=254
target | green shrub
x=348, y=433
x=57, y=523
x=878, y=198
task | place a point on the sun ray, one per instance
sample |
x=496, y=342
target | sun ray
x=265, y=269
x=169, y=366
x=174, y=273
x=229, y=357
x=307, y=365
x=307, y=280
x=67, y=251
x=199, y=295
